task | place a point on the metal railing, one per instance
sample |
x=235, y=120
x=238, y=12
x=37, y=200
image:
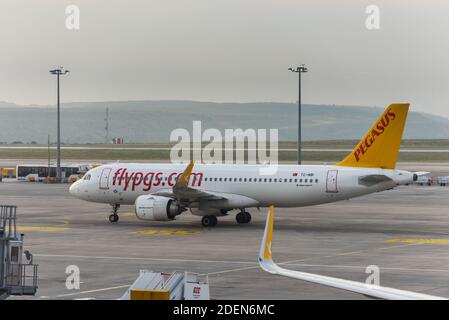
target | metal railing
x=8, y=221
x=21, y=279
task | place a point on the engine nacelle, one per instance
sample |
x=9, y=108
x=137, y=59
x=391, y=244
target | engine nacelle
x=157, y=208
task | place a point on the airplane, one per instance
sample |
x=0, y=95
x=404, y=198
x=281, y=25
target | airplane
x=371, y=290
x=162, y=191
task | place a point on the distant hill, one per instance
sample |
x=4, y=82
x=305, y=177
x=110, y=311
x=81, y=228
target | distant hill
x=152, y=121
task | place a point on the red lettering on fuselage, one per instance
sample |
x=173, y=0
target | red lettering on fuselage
x=148, y=181
x=137, y=179
x=128, y=179
x=133, y=180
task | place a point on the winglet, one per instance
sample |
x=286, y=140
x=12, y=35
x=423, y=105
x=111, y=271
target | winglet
x=267, y=264
x=265, y=246
x=185, y=176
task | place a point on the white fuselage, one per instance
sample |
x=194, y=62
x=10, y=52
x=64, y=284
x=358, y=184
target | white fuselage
x=290, y=186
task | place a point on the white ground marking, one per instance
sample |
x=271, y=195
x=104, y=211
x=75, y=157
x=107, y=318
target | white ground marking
x=213, y=261
x=141, y=259
x=312, y=258
x=88, y=291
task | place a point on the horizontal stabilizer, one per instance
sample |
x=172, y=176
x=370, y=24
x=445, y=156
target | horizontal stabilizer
x=421, y=173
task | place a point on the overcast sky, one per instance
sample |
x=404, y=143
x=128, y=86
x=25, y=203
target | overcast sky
x=228, y=50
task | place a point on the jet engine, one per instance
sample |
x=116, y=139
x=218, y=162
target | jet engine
x=157, y=208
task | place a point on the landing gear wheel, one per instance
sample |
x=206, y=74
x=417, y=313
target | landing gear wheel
x=114, y=216
x=243, y=217
x=209, y=221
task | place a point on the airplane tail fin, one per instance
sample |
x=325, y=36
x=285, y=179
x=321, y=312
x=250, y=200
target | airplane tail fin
x=379, y=147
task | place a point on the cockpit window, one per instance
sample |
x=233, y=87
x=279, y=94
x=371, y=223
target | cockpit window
x=86, y=177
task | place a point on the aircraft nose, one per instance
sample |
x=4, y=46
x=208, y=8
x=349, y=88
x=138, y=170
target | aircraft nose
x=74, y=188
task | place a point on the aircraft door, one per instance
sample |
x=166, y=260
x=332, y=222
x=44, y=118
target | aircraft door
x=104, y=178
x=331, y=181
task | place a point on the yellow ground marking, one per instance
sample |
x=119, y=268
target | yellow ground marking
x=40, y=228
x=164, y=232
x=127, y=214
x=420, y=241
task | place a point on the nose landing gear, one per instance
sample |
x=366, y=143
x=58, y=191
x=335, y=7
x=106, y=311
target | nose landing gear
x=114, y=216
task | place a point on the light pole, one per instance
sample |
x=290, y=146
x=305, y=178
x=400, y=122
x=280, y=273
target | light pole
x=58, y=72
x=299, y=70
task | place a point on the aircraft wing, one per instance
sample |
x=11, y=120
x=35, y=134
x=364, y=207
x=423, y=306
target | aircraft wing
x=266, y=263
x=183, y=192
x=189, y=194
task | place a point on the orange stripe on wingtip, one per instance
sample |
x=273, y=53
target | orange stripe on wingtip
x=267, y=253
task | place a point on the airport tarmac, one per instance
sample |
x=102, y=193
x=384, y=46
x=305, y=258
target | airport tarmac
x=340, y=240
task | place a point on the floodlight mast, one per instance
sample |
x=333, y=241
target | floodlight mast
x=58, y=72
x=299, y=70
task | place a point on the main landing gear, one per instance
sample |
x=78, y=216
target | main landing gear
x=114, y=216
x=243, y=217
x=209, y=221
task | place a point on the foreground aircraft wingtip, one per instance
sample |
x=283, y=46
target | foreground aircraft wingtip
x=265, y=246
x=267, y=264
